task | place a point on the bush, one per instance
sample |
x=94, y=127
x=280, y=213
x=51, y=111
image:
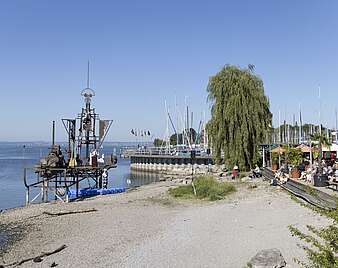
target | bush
x=185, y=191
x=206, y=188
x=322, y=249
x=294, y=156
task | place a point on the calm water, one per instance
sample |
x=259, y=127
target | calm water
x=15, y=156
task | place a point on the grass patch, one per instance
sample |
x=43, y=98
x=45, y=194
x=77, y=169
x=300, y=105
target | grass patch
x=207, y=187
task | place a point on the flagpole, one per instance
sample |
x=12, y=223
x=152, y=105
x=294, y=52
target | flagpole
x=336, y=124
x=280, y=130
x=280, y=139
x=300, y=124
x=320, y=110
x=177, y=135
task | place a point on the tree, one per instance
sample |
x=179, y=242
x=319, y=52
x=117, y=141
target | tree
x=173, y=139
x=240, y=116
x=191, y=134
x=158, y=142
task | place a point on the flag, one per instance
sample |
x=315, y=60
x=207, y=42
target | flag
x=132, y=132
x=103, y=127
x=149, y=133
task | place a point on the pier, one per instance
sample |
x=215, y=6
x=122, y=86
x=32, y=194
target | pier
x=171, y=160
x=173, y=165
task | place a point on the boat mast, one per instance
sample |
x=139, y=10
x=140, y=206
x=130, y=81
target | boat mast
x=177, y=124
x=336, y=125
x=167, y=138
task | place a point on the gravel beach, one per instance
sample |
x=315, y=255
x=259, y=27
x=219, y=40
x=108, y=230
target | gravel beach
x=147, y=228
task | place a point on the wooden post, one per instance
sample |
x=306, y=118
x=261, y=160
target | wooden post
x=45, y=191
x=263, y=156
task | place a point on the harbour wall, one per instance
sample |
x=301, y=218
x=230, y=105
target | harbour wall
x=174, y=165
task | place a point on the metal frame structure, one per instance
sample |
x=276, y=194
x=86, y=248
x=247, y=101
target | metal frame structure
x=57, y=175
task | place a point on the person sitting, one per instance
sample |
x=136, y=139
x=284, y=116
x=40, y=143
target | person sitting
x=303, y=175
x=301, y=167
x=257, y=172
x=335, y=175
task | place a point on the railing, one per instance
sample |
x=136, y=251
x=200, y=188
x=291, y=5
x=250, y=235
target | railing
x=173, y=151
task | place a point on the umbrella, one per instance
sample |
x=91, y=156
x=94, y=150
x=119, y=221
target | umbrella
x=305, y=148
x=278, y=149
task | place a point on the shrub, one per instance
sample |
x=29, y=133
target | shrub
x=206, y=188
x=185, y=191
x=294, y=156
x=322, y=251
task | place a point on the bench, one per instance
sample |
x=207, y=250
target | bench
x=334, y=184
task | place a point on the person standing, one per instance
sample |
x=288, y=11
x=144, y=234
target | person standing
x=235, y=172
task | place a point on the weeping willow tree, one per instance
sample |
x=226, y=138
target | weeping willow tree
x=240, y=116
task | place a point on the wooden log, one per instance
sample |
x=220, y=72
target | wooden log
x=62, y=213
x=38, y=258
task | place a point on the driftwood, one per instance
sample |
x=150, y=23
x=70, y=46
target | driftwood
x=62, y=213
x=55, y=214
x=38, y=258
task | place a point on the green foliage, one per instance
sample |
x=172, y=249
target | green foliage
x=275, y=158
x=315, y=154
x=173, y=139
x=240, y=119
x=206, y=188
x=184, y=191
x=158, y=142
x=191, y=134
x=322, y=249
x=321, y=138
x=294, y=156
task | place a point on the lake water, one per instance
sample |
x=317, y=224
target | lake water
x=15, y=156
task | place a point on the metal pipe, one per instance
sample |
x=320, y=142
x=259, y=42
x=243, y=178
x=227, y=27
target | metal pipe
x=53, y=134
x=27, y=196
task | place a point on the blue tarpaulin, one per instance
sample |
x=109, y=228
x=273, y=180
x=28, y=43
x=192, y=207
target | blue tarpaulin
x=88, y=192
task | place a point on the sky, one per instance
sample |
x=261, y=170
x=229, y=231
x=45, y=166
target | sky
x=144, y=53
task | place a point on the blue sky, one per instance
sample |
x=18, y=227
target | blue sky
x=145, y=52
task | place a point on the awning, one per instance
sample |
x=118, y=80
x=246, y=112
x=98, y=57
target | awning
x=278, y=150
x=305, y=148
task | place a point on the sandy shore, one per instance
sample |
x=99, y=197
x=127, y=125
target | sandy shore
x=147, y=228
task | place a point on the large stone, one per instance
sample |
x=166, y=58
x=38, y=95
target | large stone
x=270, y=258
